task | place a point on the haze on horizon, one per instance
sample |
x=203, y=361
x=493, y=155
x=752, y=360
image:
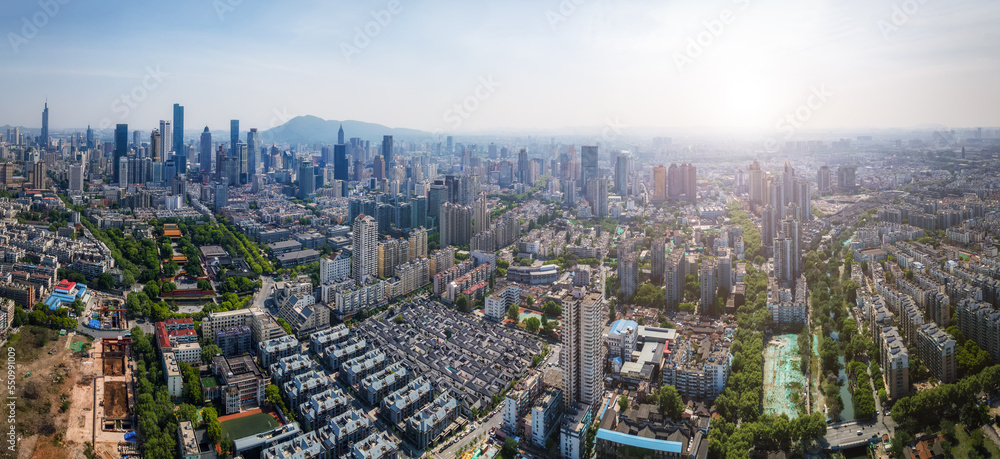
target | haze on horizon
x=551, y=64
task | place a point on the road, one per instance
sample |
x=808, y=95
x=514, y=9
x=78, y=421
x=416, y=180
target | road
x=266, y=285
x=845, y=435
x=482, y=429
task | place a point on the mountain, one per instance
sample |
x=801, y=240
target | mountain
x=311, y=129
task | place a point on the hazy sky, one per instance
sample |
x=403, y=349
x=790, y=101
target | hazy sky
x=548, y=63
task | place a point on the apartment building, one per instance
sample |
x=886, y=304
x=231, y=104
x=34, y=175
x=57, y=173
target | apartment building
x=377, y=385
x=305, y=385
x=894, y=359
x=268, y=352
x=344, y=430
x=289, y=367
x=242, y=384
x=337, y=354
x=431, y=421
x=356, y=369
x=323, y=406
x=401, y=404
x=936, y=349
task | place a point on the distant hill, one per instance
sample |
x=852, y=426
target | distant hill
x=311, y=129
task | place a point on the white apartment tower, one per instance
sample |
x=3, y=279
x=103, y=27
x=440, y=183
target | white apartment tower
x=364, y=260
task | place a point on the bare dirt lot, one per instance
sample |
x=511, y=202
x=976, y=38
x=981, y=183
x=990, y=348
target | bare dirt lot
x=51, y=384
x=115, y=399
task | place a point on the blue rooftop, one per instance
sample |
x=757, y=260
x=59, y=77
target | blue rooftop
x=622, y=324
x=640, y=442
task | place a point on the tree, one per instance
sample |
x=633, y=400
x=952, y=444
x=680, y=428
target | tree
x=462, y=303
x=671, y=403
x=285, y=325
x=152, y=289
x=622, y=403
x=204, y=285
x=552, y=309
x=210, y=351
x=214, y=430
x=509, y=450
x=513, y=312
x=532, y=324
x=187, y=412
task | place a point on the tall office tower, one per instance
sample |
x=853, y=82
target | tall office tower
x=121, y=150
x=597, y=193
x=788, y=181
x=582, y=357
x=155, y=146
x=491, y=151
x=205, y=155
x=220, y=163
x=708, y=277
x=234, y=134
x=621, y=173
x=340, y=135
x=326, y=156
x=240, y=155
x=660, y=183
x=166, y=139
x=307, y=180
x=456, y=224
x=628, y=272
x=481, y=217
x=658, y=260
x=378, y=167
x=44, y=138
x=418, y=212
x=364, y=259
x=846, y=179
x=726, y=271
x=690, y=179
x=178, y=139
x=90, y=138
x=76, y=178
x=38, y=175
x=387, y=152
x=253, y=153
x=523, y=166
x=673, y=278
x=802, y=196
x=340, y=167
x=135, y=140
x=675, y=186
x=588, y=161
x=450, y=149
x=221, y=196
x=756, y=183
x=823, y=180
x=768, y=229
x=436, y=197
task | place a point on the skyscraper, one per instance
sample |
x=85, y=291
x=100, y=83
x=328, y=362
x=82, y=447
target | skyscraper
x=597, y=193
x=234, y=134
x=788, y=182
x=340, y=135
x=709, y=284
x=387, y=152
x=802, y=196
x=340, y=166
x=846, y=179
x=205, y=153
x=121, y=149
x=253, y=153
x=364, y=259
x=660, y=183
x=674, y=186
x=628, y=272
x=658, y=261
x=623, y=167
x=523, y=167
x=456, y=224
x=44, y=138
x=178, y=139
x=690, y=181
x=76, y=178
x=307, y=180
x=756, y=183
x=823, y=180
x=378, y=167
x=674, y=278
x=582, y=357
x=90, y=138
x=166, y=139
x=589, y=163
x=156, y=146
x=481, y=217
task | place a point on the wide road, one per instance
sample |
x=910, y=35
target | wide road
x=266, y=287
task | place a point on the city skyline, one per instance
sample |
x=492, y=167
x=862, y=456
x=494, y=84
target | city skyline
x=852, y=64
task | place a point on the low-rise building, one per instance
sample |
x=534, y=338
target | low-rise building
x=343, y=431
x=377, y=385
x=356, y=369
x=268, y=352
x=321, y=407
x=431, y=421
x=242, y=384
x=399, y=405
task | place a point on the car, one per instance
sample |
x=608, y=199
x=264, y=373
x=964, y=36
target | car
x=860, y=433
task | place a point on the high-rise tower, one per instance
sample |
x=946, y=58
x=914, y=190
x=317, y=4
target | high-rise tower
x=44, y=138
x=364, y=260
x=178, y=140
x=205, y=152
x=121, y=149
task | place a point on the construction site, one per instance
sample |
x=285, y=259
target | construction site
x=784, y=384
x=113, y=400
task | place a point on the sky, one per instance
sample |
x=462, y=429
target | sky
x=474, y=66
